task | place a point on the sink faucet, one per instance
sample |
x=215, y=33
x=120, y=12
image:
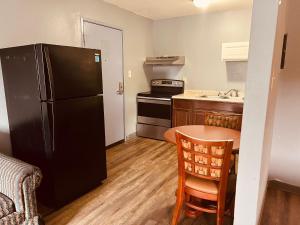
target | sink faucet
x=232, y=90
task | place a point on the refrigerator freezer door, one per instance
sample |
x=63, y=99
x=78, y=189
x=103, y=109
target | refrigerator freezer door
x=78, y=140
x=20, y=73
x=69, y=72
x=23, y=103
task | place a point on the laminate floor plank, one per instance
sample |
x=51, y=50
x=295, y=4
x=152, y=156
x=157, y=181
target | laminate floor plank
x=139, y=190
x=282, y=205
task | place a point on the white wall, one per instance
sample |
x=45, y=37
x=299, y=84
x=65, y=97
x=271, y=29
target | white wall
x=58, y=22
x=286, y=137
x=256, y=140
x=200, y=38
x=285, y=158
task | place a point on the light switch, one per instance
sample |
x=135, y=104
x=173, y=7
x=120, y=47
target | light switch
x=129, y=74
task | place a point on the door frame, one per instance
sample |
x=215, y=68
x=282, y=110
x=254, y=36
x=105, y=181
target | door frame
x=82, y=21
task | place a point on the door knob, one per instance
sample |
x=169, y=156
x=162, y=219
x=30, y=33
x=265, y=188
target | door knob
x=120, y=90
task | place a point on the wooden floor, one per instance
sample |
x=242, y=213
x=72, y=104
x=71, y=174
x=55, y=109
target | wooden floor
x=142, y=179
x=282, y=205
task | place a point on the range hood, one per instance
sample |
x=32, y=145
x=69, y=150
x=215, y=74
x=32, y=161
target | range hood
x=166, y=60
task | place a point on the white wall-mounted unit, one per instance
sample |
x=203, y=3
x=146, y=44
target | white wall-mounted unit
x=235, y=51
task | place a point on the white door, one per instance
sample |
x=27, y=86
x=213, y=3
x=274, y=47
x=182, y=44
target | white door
x=110, y=42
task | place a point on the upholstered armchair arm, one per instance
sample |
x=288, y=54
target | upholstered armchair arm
x=34, y=221
x=18, y=181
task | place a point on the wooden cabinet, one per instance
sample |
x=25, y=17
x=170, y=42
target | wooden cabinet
x=192, y=112
x=182, y=116
x=198, y=116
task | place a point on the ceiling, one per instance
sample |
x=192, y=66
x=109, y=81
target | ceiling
x=163, y=9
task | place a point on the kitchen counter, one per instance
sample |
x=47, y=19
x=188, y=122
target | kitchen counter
x=209, y=95
x=190, y=108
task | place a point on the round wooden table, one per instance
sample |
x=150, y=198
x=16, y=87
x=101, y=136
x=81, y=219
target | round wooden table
x=204, y=132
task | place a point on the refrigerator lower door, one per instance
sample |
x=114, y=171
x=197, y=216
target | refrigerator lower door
x=78, y=144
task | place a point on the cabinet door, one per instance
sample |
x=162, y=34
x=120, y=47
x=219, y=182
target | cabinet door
x=198, y=117
x=181, y=117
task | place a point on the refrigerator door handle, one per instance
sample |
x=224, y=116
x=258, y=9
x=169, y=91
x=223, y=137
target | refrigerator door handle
x=49, y=71
x=51, y=113
x=48, y=127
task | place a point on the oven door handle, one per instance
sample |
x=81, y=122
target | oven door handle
x=161, y=101
x=151, y=98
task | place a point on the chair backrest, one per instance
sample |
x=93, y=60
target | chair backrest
x=232, y=121
x=204, y=159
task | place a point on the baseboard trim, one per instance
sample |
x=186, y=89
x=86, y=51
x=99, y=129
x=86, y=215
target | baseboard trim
x=114, y=144
x=278, y=198
x=284, y=187
x=130, y=136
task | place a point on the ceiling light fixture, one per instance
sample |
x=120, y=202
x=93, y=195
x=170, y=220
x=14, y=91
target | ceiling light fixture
x=201, y=3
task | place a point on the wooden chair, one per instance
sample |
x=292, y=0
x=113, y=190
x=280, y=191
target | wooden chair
x=203, y=168
x=231, y=121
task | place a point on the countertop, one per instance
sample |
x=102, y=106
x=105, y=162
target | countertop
x=209, y=95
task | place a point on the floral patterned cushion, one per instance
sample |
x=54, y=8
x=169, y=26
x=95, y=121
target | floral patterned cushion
x=222, y=120
x=18, y=182
x=6, y=206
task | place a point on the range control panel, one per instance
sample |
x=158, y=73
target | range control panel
x=167, y=83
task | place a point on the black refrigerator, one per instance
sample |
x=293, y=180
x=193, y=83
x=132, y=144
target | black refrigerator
x=54, y=101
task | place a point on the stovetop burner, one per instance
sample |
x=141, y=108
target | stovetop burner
x=155, y=95
x=163, y=88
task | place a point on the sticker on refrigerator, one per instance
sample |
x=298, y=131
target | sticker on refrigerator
x=97, y=58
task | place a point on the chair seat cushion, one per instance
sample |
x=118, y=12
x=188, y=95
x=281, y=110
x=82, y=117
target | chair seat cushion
x=196, y=183
x=6, y=206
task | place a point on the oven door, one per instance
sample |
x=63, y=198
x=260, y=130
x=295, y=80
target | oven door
x=154, y=111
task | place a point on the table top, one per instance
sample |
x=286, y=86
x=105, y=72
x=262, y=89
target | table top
x=204, y=132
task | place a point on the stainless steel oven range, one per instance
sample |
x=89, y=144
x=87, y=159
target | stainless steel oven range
x=154, y=108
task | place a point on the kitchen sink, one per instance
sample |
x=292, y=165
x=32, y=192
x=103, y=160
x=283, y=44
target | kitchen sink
x=215, y=96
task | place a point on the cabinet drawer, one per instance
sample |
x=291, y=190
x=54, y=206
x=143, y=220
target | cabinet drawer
x=183, y=104
x=218, y=106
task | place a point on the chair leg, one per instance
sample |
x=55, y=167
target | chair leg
x=230, y=210
x=220, y=219
x=178, y=207
x=236, y=163
x=220, y=214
